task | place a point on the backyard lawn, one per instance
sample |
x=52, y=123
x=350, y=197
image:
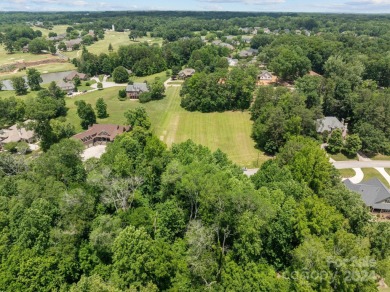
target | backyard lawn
x=229, y=131
x=370, y=173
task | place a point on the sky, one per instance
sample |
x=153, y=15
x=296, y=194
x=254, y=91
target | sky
x=340, y=6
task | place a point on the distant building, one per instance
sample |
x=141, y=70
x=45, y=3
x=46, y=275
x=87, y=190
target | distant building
x=248, y=53
x=232, y=62
x=246, y=39
x=373, y=193
x=186, y=73
x=100, y=134
x=73, y=74
x=226, y=45
x=264, y=75
x=133, y=91
x=25, y=49
x=57, y=38
x=73, y=43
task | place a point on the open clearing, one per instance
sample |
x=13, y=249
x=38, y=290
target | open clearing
x=229, y=131
x=116, y=39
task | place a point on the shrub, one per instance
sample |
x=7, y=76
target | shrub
x=122, y=94
x=87, y=84
x=145, y=97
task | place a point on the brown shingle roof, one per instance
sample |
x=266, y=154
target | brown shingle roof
x=101, y=130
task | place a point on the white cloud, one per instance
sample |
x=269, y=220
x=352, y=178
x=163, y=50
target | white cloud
x=248, y=2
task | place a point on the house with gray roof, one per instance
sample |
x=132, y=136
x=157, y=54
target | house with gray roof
x=329, y=124
x=72, y=43
x=134, y=90
x=186, y=73
x=66, y=86
x=373, y=193
x=248, y=53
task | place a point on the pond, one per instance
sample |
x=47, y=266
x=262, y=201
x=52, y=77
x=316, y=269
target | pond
x=47, y=78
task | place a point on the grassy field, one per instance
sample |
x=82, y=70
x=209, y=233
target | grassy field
x=341, y=157
x=347, y=173
x=116, y=39
x=370, y=173
x=18, y=56
x=45, y=68
x=58, y=29
x=380, y=157
x=229, y=131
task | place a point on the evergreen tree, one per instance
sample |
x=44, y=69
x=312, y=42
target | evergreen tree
x=101, y=108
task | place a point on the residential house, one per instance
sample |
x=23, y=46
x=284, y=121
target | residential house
x=91, y=33
x=133, y=91
x=226, y=45
x=232, y=62
x=216, y=42
x=298, y=31
x=248, y=53
x=267, y=30
x=57, y=38
x=246, y=29
x=100, y=134
x=25, y=49
x=265, y=78
x=66, y=86
x=72, y=43
x=72, y=75
x=264, y=75
x=246, y=39
x=17, y=133
x=186, y=73
x=331, y=123
x=373, y=193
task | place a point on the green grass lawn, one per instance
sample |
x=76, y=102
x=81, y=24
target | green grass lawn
x=116, y=39
x=229, y=131
x=341, y=157
x=19, y=56
x=347, y=172
x=45, y=68
x=58, y=29
x=370, y=173
x=380, y=157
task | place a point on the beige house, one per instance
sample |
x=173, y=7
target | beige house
x=17, y=134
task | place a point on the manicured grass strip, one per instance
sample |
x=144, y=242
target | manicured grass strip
x=347, y=172
x=370, y=173
x=380, y=157
x=341, y=157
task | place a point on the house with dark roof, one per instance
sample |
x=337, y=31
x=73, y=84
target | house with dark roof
x=73, y=43
x=133, y=91
x=72, y=75
x=373, y=193
x=66, y=86
x=248, y=53
x=100, y=134
x=329, y=124
x=186, y=73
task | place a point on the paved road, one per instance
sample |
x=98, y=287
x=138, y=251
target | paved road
x=361, y=164
x=344, y=165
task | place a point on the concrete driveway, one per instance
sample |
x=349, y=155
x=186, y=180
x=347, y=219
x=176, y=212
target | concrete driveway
x=95, y=151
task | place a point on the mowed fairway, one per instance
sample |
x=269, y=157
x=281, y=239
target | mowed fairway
x=228, y=131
